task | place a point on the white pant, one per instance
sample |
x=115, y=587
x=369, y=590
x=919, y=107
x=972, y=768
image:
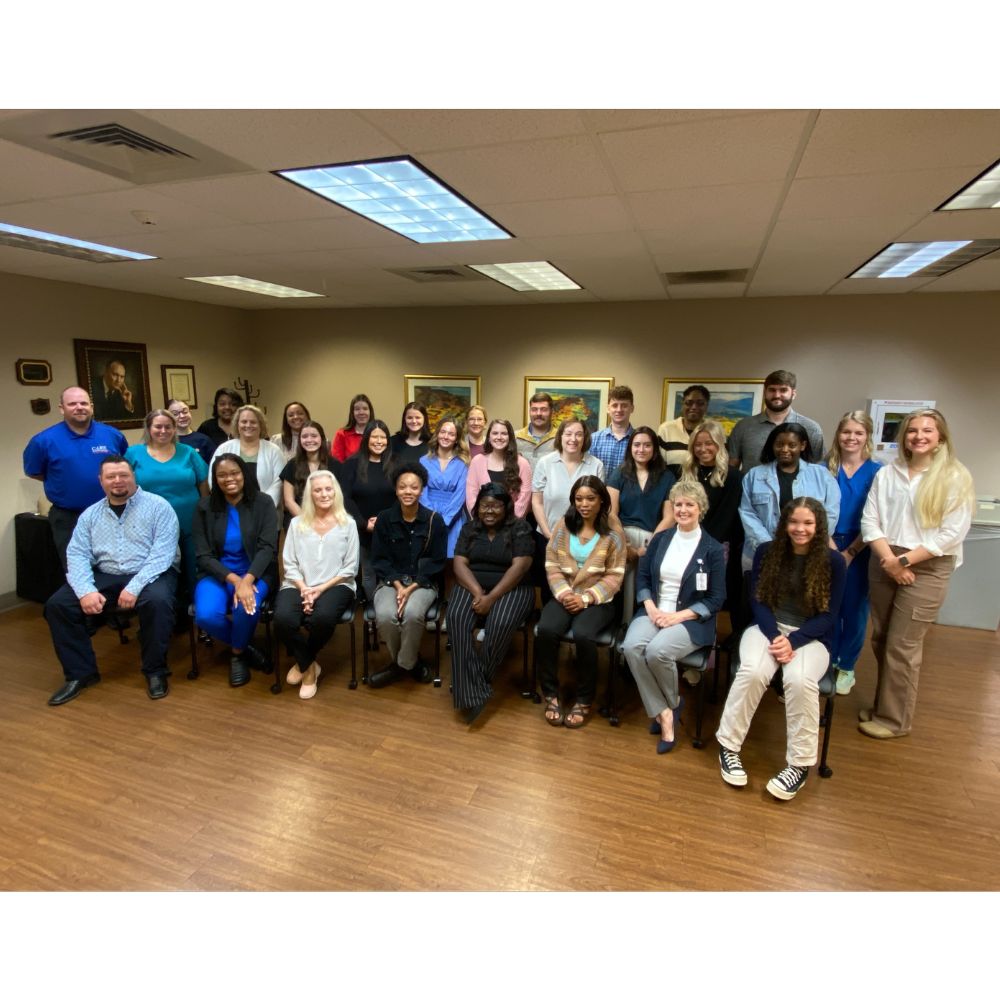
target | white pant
x=801, y=681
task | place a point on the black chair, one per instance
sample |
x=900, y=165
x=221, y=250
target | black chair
x=266, y=618
x=527, y=691
x=827, y=690
x=347, y=618
x=699, y=659
x=433, y=616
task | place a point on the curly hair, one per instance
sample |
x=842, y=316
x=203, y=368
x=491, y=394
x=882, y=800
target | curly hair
x=776, y=565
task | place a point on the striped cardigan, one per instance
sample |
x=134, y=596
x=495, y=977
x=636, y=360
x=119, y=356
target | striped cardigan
x=601, y=575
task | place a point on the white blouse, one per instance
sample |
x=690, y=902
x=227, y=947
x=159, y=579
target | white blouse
x=679, y=553
x=889, y=513
x=313, y=558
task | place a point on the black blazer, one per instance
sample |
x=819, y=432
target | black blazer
x=258, y=531
x=418, y=550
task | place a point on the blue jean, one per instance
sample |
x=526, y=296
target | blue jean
x=852, y=622
x=213, y=606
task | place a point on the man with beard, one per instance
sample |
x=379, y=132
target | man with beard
x=748, y=436
x=123, y=555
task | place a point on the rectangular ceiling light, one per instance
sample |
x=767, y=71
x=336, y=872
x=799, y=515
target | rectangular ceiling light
x=528, y=276
x=242, y=284
x=983, y=192
x=401, y=195
x=64, y=246
x=926, y=260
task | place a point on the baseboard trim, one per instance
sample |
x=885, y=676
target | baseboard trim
x=10, y=600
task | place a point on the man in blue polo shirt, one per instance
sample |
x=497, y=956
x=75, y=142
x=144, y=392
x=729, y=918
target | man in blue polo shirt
x=67, y=459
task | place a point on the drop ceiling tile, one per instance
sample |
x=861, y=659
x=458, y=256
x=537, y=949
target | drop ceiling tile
x=539, y=170
x=870, y=141
x=727, y=210
x=974, y=224
x=587, y=246
x=759, y=147
x=55, y=217
x=705, y=254
x=29, y=174
x=347, y=233
x=878, y=286
x=564, y=216
x=252, y=198
x=709, y=290
x=615, y=120
x=20, y=261
x=422, y=130
x=618, y=280
x=282, y=139
x=912, y=192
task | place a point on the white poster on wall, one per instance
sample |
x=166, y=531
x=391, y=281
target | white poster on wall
x=887, y=414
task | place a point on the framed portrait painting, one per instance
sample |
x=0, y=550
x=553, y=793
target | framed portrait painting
x=117, y=376
x=442, y=395
x=732, y=399
x=583, y=399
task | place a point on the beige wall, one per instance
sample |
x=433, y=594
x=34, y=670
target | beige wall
x=845, y=349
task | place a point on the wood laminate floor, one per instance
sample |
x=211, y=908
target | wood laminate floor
x=215, y=788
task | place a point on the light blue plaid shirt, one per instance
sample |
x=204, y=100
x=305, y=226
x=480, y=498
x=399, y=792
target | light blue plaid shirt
x=605, y=446
x=141, y=543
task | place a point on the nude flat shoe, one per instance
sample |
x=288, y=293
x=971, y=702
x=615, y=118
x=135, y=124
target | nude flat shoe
x=309, y=690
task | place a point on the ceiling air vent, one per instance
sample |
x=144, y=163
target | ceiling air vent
x=738, y=275
x=121, y=143
x=455, y=272
x=113, y=134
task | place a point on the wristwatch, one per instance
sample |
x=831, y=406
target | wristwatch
x=903, y=561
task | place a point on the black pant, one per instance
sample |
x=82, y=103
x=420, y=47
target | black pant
x=62, y=522
x=289, y=620
x=68, y=623
x=587, y=625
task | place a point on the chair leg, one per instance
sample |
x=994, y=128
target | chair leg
x=193, y=638
x=354, y=658
x=825, y=771
x=272, y=658
x=437, y=650
x=364, y=652
x=698, y=742
x=611, y=697
x=526, y=690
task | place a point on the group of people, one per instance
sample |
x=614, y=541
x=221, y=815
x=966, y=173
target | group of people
x=654, y=529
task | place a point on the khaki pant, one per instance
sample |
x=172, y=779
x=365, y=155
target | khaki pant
x=900, y=619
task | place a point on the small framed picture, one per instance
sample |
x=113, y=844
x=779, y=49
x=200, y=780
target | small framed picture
x=178, y=383
x=33, y=372
x=442, y=395
x=583, y=399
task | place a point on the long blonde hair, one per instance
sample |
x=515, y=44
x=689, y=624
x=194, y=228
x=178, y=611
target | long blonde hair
x=947, y=484
x=308, y=515
x=833, y=456
x=689, y=464
x=459, y=449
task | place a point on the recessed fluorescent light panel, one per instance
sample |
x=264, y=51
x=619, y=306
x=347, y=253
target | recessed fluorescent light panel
x=242, y=284
x=528, y=276
x=401, y=195
x=64, y=246
x=983, y=192
x=925, y=260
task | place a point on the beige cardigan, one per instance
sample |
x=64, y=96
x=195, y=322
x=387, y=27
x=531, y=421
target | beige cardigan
x=601, y=575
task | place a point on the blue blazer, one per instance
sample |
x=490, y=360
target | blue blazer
x=708, y=557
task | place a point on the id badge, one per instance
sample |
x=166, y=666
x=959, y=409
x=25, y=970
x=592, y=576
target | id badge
x=701, y=581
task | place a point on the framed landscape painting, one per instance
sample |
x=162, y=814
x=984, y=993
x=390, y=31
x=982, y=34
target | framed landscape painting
x=732, y=399
x=442, y=395
x=583, y=399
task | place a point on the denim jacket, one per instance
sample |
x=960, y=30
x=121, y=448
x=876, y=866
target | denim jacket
x=760, y=506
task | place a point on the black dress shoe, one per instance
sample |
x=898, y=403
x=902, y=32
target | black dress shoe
x=383, y=678
x=239, y=671
x=71, y=689
x=470, y=714
x=157, y=686
x=422, y=673
x=256, y=659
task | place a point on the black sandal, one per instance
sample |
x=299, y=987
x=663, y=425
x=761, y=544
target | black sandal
x=581, y=710
x=552, y=705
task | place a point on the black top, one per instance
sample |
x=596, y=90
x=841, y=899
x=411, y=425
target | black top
x=406, y=454
x=790, y=609
x=488, y=560
x=409, y=551
x=258, y=532
x=365, y=499
x=201, y=443
x=785, y=481
x=211, y=429
x=723, y=515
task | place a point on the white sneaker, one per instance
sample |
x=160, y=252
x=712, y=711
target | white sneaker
x=845, y=681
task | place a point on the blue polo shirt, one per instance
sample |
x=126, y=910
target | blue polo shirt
x=70, y=463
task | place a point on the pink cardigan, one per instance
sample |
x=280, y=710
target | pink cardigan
x=479, y=474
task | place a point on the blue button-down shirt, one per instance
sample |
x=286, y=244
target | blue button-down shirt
x=142, y=543
x=609, y=449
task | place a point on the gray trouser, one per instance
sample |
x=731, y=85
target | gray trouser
x=402, y=638
x=652, y=654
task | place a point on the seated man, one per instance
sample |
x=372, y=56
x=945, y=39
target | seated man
x=123, y=554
